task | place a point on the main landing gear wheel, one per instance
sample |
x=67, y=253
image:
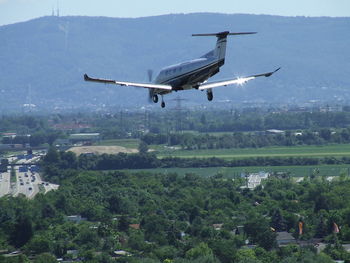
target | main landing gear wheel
x=163, y=104
x=210, y=95
x=155, y=98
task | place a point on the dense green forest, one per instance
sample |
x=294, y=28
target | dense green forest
x=176, y=216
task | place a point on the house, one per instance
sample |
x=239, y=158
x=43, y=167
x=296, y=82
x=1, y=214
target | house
x=274, y=131
x=254, y=179
x=10, y=135
x=239, y=230
x=122, y=253
x=135, y=226
x=285, y=238
x=62, y=142
x=84, y=138
x=73, y=252
x=217, y=226
x=75, y=218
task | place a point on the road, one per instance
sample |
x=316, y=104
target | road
x=5, y=183
x=28, y=184
x=27, y=181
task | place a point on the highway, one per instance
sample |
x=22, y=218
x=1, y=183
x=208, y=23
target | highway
x=28, y=181
x=5, y=183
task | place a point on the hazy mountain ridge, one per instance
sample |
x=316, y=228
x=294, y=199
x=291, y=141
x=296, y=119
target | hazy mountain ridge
x=42, y=61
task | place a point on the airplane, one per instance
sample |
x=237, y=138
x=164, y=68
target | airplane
x=193, y=74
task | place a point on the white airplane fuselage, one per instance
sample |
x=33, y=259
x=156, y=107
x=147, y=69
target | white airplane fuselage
x=188, y=75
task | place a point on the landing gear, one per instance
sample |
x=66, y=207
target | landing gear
x=210, y=94
x=155, y=98
x=163, y=103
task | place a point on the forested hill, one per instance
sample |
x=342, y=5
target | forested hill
x=42, y=61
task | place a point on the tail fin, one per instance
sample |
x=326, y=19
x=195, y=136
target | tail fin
x=220, y=49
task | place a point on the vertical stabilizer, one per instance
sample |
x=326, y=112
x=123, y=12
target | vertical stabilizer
x=220, y=48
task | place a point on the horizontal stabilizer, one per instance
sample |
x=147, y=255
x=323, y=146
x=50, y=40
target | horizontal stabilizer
x=223, y=34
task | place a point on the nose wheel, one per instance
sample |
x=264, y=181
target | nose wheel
x=210, y=95
x=163, y=103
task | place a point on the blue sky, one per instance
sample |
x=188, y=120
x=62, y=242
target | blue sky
x=12, y=11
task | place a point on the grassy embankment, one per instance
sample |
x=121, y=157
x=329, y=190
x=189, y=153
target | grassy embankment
x=334, y=150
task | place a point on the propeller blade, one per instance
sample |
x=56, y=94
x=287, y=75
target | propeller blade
x=150, y=94
x=150, y=91
x=150, y=75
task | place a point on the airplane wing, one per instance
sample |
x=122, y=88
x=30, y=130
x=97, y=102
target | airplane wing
x=238, y=81
x=125, y=83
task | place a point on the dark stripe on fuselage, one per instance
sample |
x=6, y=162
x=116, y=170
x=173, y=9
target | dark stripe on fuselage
x=197, y=75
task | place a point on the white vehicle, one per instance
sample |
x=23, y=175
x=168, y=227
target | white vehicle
x=192, y=74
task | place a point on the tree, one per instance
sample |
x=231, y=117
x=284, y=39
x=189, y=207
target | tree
x=143, y=147
x=39, y=244
x=245, y=255
x=259, y=232
x=88, y=237
x=52, y=156
x=23, y=231
x=202, y=249
x=123, y=223
x=277, y=221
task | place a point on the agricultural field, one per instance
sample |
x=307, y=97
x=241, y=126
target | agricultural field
x=127, y=143
x=332, y=150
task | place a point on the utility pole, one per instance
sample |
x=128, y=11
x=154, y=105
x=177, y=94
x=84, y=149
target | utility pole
x=178, y=110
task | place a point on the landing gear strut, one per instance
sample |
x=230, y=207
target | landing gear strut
x=210, y=94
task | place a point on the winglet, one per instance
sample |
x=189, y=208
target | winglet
x=270, y=73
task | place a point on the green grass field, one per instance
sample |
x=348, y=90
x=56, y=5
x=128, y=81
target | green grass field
x=232, y=172
x=127, y=143
x=336, y=150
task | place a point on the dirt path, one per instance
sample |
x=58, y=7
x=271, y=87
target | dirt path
x=101, y=149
